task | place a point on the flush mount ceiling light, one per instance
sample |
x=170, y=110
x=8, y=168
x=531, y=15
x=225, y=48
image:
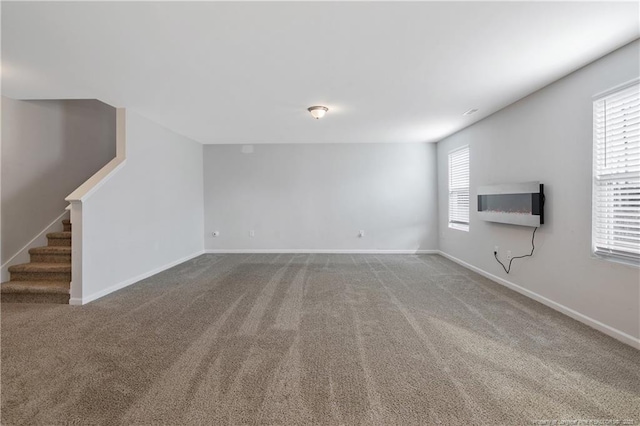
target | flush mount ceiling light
x=471, y=111
x=318, y=111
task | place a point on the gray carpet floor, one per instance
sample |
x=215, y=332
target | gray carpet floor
x=311, y=339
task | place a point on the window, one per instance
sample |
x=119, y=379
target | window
x=459, y=189
x=616, y=174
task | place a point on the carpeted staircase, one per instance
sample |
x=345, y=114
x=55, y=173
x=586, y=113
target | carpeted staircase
x=47, y=278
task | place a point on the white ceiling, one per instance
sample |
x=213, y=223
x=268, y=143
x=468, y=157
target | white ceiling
x=246, y=72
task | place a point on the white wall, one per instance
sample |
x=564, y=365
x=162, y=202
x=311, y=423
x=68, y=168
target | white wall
x=319, y=196
x=49, y=148
x=548, y=137
x=147, y=215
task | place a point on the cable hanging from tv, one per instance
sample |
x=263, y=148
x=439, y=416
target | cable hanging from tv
x=533, y=247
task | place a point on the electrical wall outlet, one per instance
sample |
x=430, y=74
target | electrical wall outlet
x=216, y=233
x=509, y=254
x=495, y=249
x=361, y=234
x=252, y=233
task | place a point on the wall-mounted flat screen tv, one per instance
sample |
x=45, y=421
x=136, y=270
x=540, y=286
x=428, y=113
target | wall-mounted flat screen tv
x=512, y=203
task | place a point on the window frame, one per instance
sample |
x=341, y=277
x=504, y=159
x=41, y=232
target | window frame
x=597, y=253
x=461, y=226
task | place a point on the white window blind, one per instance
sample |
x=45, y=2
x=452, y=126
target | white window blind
x=459, y=188
x=616, y=174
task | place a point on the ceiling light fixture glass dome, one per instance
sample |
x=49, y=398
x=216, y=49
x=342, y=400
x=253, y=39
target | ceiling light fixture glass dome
x=318, y=111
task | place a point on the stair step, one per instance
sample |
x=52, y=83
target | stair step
x=59, y=239
x=59, y=235
x=51, y=254
x=41, y=272
x=59, y=287
x=47, y=279
x=51, y=258
x=40, y=267
x=35, y=292
x=50, y=250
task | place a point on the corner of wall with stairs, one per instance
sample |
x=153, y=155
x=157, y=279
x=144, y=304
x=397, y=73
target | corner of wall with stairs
x=47, y=278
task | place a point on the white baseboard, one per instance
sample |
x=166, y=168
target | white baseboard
x=317, y=251
x=128, y=282
x=604, y=328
